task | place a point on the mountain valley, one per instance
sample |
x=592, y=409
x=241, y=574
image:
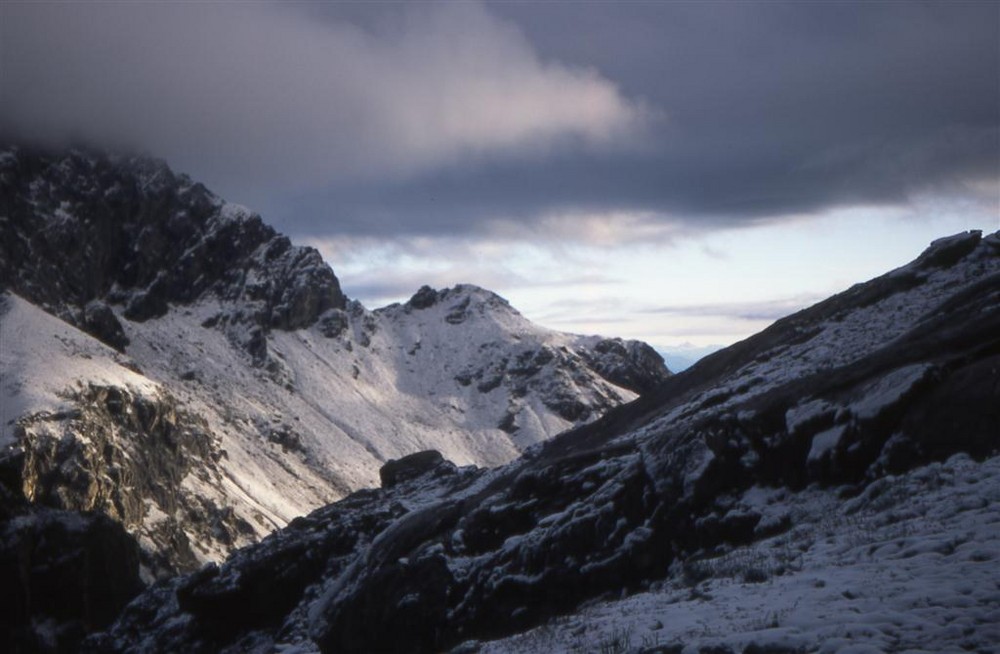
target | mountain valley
x=209, y=448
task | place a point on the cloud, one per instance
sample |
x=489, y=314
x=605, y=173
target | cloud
x=526, y=121
x=775, y=110
x=275, y=95
x=382, y=270
x=762, y=311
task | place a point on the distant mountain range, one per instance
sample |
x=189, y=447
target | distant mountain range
x=179, y=381
x=682, y=357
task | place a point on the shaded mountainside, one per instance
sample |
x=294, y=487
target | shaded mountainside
x=66, y=574
x=170, y=361
x=82, y=231
x=776, y=450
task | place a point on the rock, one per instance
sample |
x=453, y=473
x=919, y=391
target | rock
x=947, y=251
x=143, y=236
x=630, y=364
x=412, y=601
x=412, y=466
x=65, y=575
x=333, y=323
x=424, y=298
x=100, y=321
x=120, y=453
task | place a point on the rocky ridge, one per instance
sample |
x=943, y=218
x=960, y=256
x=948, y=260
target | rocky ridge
x=83, y=231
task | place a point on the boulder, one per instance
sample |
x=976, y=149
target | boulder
x=411, y=466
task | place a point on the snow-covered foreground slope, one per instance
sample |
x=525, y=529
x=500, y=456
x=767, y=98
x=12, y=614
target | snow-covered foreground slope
x=910, y=565
x=827, y=485
x=170, y=360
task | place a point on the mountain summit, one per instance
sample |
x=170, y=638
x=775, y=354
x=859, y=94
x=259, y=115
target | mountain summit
x=173, y=362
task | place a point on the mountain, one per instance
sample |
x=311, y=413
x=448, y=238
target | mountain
x=831, y=484
x=170, y=361
x=682, y=357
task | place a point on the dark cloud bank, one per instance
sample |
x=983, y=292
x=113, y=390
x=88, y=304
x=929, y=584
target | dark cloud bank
x=444, y=118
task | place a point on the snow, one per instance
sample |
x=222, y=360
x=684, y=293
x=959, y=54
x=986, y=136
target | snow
x=847, y=338
x=42, y=358
x=912, y=567
x=825, y=441
x=889, y=390
x=385, y=388
x=230, y=211
x=805, y=413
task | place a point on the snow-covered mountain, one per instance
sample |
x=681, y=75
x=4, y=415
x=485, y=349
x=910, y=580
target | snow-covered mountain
x=831, y=484
x=171, y=361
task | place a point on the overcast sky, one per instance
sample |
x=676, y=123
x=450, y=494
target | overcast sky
x=675, y=171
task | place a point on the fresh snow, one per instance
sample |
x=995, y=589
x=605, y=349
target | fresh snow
x=912, y=565
x=42, y=358
x=889, y=390
x=825, y=441
x=328, y=412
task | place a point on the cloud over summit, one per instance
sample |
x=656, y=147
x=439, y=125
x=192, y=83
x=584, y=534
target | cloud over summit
x=593, y=122
x=267, y=93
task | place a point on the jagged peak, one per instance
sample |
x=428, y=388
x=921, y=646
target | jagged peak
x=144, y=237
x=427, y=297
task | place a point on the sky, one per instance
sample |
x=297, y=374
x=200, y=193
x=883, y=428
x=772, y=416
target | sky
x=679, y=172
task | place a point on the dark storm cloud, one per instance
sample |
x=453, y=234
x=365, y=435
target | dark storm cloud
x=452, y=118
x=772, y=109
x=271, y=96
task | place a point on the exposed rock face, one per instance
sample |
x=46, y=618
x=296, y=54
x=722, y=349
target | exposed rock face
x=640, y=495
x=99, y=320
x=423, y=298
x=125, y=455
x=127, y=231
x=630, y=364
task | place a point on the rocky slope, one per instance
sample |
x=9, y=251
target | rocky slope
x=170, y=361
x=790, y=463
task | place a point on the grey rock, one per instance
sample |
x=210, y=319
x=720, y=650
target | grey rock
x=88, y=227
x=100, y=321
x=412, y=466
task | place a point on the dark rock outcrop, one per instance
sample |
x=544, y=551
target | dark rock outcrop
x=412, y=466
x=65, y=575
x=86, y=230
x=424, y=298
x=100, y=322
x=630, y=364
